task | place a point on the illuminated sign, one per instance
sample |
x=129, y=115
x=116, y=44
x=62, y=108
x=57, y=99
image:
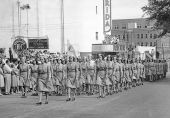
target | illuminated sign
x=107, y=15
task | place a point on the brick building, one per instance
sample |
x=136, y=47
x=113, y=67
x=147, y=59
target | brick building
x=140, y=32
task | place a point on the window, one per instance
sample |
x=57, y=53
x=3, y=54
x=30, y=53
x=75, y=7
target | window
x=150, y=43
x=138, y=36
x=124, y=26
x=139, y=26
x=116, y=27
x=154, y=43
x=119, y=36
x=155, y=36
x=141, y=36
x=127, y=37
x=97, y=35
x=146, y=36
x=151, y=36
x=141, y=43
x=145, y=26
x=123, y=36
x=146, y=43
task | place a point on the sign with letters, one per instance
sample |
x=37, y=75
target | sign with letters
x=42, y=43
x=107, y=16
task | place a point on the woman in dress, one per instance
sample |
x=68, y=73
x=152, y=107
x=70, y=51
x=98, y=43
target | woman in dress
x=71, y=78
x=83, y=75
x=101, y=76
x=14, y=77
x=7, y=75
x=34, y=76
x=59, y=77
x=134, y=73
x=54, y=76
x=24, y=77
x=109, y=78
x=78, y=82
x=91, y=74
x=1, y=77
x=44, y=81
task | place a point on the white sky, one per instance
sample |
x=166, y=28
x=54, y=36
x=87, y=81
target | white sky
x=80, y=20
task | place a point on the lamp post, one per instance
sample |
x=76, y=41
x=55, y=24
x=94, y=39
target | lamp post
x=26, y=7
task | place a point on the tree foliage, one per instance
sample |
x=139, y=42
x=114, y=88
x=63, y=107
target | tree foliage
x=159, y=11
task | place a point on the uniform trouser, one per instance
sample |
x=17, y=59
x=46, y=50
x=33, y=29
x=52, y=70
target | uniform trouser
x=7, y=83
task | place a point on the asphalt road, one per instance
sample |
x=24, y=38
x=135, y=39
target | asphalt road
x=152, y=100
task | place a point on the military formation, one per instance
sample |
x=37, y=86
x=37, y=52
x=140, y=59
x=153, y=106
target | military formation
x=74, y=76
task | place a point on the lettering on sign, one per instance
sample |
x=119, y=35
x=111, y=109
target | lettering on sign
x=107, y=15
x=38, y=44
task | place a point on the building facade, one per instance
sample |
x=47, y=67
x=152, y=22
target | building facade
x=139, y=32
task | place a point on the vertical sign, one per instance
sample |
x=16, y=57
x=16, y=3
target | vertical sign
x=106, y=16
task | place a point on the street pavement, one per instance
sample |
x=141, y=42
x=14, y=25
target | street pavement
x=152, y=100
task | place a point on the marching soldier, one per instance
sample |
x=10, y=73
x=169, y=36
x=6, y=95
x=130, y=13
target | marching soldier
x=116, y=74
x=109, y=79
x=71, y=78
x=120, y=74
x=134, y=73
x=91, y=73
x=101, y=76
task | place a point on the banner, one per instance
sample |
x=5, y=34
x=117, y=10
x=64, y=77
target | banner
x=38, y=43
x=70, y=49
x=107, y=16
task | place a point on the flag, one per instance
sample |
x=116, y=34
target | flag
x=70, y=49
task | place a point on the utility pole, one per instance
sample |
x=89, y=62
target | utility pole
x=38, y=29
x=62, y=27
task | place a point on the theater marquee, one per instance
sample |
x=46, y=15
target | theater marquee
x=107, y=16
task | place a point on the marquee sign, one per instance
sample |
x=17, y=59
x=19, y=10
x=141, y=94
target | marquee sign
x=107, y=15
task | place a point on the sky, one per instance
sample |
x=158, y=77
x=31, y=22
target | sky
x=81, y=21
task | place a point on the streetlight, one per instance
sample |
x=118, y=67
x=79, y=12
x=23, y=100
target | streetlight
x=26, y=7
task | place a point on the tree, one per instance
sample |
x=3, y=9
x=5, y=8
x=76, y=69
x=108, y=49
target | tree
x=159, y=11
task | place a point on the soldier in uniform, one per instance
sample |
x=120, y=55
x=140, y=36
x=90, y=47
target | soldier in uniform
x=83, y=76
x=121, y=74
x=134, y=73
x=34, y=76
x=71, y=78
x=109, y=78
x=91, y=73
x=161, y=69
x=116, y=74
x=126, y=74
x=44, y=81
x=142, y=75
x=146, y=69
x=101, y=76
x=154, y=70
x=138, y=67
x=59, y=77
x=130, y=71
x=24, y=77
x=78, y=82
x=166, y=68
x=54, y=76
